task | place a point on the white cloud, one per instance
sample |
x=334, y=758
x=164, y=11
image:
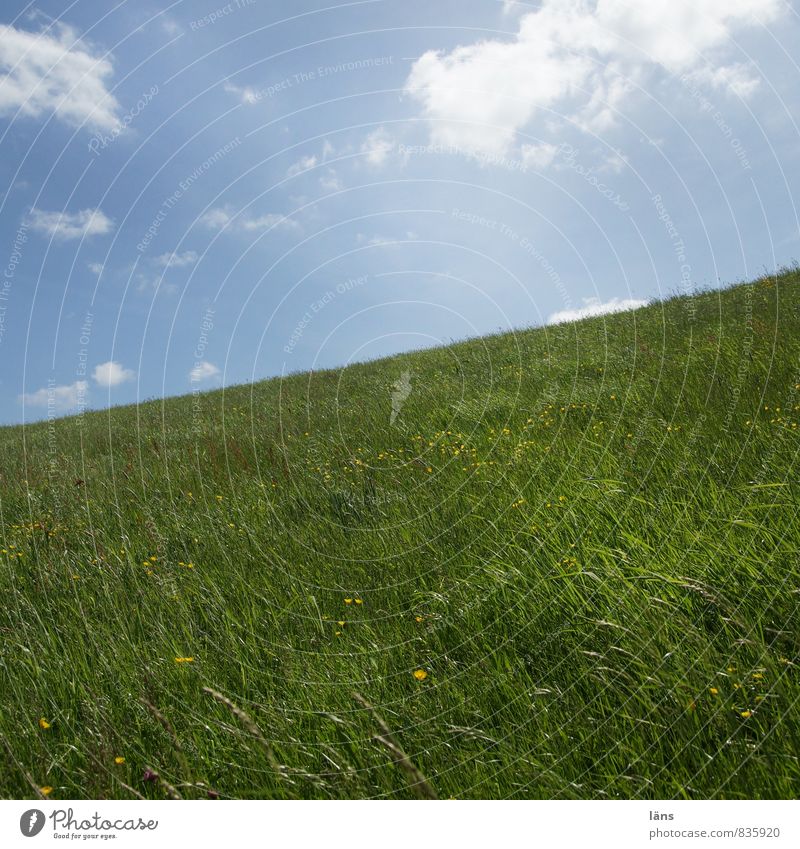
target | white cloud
x=173, y=260
x=58, y=399
x=539, y=155
x=204, y=370
x=377, y=147
x=330, y=181
x=54, y=72
x=377, y=240
x=594, y=306
x=216, y=219
x=244, y=94
x=170, y=26
x=154, y=284
x=224, y=217
x=305, y=163
x=111, y=374
x=70, y=225
x=479, y=96
x=328, y=150
x=738, y=78
x=614, y=162
x=95, y=267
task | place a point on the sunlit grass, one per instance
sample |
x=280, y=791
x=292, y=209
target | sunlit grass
x=569, y=568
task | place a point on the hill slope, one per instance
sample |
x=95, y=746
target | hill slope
x=567, y=568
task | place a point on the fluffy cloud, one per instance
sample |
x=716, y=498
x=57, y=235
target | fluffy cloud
x=111, y=374
x=305, y=163
x=63, y=226
x=479, y=96
x=736, y=78
x=54, y=72
x=173, y=260
x=594, y=306
x=330, y=181
x=377, y=147
x=58, y=399
x=539, y=155
x=224, y=218
x=203, y=371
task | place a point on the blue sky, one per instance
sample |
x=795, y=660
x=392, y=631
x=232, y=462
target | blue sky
x=199, y=194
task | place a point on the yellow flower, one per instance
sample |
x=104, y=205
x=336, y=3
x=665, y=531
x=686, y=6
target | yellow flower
x=348, y=601
x=713, y=690
x=119, y=760
x=418, y=619
x=359, y=601
x=45, y=791
x=44, y=724
x=184, y=660
x=340, y=623
x=420, y=674
x=746, y=714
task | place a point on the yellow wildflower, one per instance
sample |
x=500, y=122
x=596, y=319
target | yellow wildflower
x=46, y=791
x=713, y=690
x=44, y=724
x=119, y=760
x=420, y=674
x=746, y=714
x=184, y=660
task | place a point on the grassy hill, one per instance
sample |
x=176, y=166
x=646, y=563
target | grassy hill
x=568, y=568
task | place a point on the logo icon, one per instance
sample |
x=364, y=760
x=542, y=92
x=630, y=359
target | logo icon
x=402, y=391
x=31, y=822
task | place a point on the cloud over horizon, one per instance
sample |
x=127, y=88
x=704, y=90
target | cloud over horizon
x=594, y=307
x=58, y=399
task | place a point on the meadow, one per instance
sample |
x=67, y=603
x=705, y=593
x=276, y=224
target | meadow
x=557, y=563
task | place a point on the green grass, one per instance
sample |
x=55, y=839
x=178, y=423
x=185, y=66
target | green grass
x=587, y=536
